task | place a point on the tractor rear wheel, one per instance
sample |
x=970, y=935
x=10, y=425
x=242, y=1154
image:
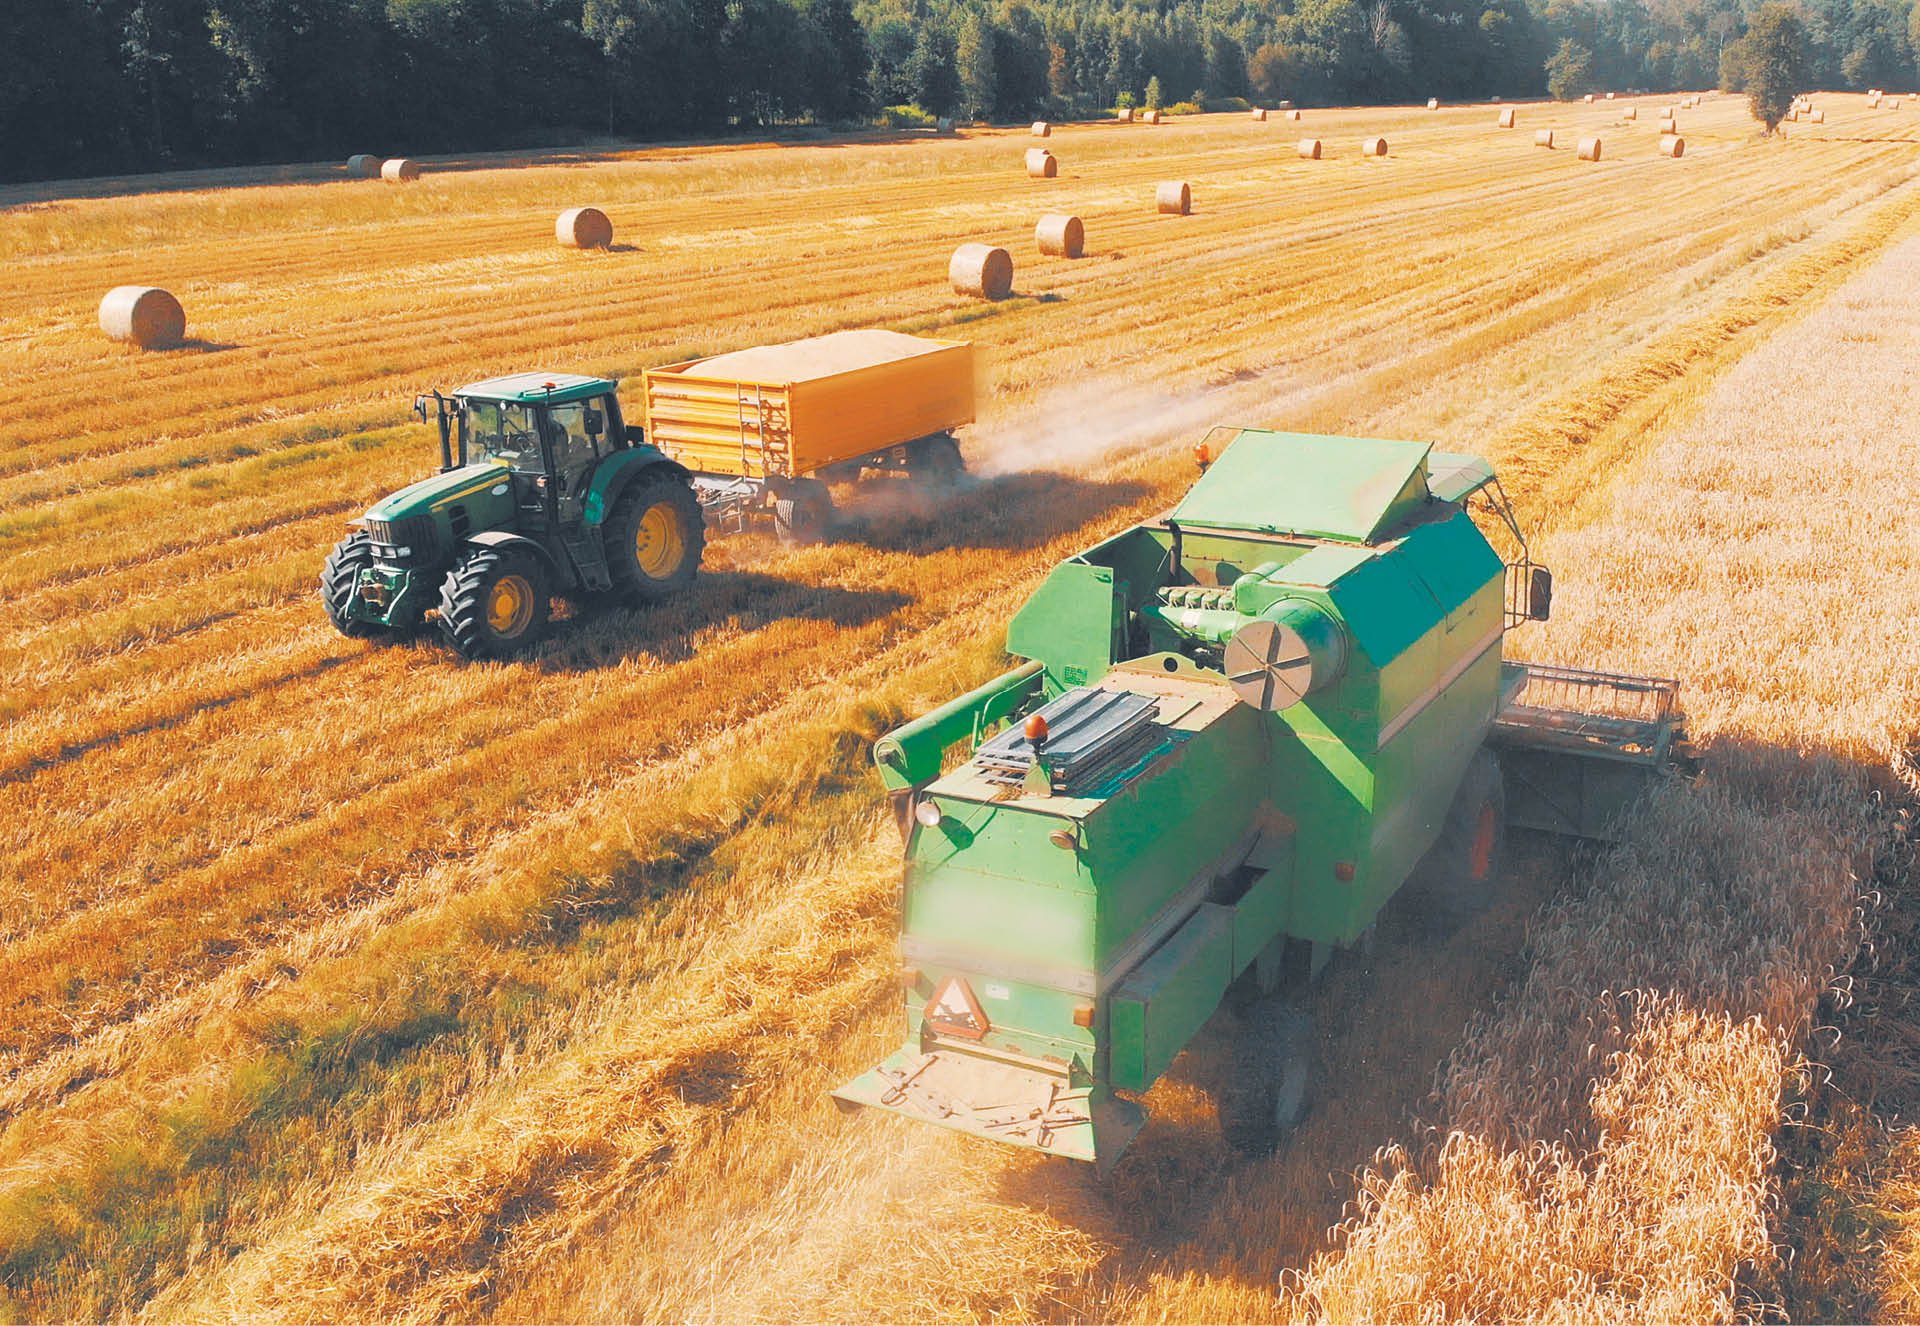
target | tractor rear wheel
x=804, y=514
x=1271, y=1087
x=340, y=583
x=1458, y=877
x=655, y=538
x=935, y=462
x=495, y=603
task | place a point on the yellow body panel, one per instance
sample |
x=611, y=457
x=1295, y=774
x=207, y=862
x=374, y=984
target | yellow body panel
x=792, y=409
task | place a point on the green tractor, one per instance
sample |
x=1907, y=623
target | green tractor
x=542, y=490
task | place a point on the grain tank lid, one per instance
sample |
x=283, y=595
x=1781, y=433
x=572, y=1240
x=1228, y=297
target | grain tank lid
x=817, y=356
x=1456, y=477
x=1350, y=488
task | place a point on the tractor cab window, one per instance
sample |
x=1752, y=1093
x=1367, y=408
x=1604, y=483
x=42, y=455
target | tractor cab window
x=505, y=433
x=573, y=445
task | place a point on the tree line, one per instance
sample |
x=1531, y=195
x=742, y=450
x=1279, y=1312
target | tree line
x=99, y=86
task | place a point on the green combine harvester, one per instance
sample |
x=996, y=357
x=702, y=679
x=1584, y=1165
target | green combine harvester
x=1240, y=730
x=542, y=490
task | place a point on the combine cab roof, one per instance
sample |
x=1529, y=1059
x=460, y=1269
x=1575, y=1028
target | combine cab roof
x=533, y=388
x=1351, y=488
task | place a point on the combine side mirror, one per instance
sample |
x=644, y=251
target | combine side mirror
x=595, y=423
x=1539, y=594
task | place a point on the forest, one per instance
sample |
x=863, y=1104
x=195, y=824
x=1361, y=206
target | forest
x=109, y=86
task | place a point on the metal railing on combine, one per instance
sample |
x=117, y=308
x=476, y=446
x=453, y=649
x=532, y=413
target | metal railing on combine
x=1629, y=717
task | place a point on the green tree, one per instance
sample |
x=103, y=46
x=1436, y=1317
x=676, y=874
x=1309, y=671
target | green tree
x=1570, y=70
x=931, y=73
x=1274, y=72
x=1153, y=93
x=838, y=59
x=973, y=61
x=1777, y=66
x=1733, y=66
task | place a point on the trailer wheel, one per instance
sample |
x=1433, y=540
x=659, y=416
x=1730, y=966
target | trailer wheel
x=935, y=462
x=655, y=537
x=804, y=514
x=1270, y=1091
x=495, y=603
x=1459, y=876
x=340, y=582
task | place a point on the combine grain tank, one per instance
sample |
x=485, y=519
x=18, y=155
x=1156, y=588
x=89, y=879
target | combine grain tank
x=1238, y=732
x=765, y=429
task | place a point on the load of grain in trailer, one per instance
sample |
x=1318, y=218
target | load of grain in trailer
x=763, y=430
x=1237, y=732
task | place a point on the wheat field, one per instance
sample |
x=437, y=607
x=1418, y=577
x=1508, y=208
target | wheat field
x=350, y=981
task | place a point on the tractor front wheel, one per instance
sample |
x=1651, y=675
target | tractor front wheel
x=1457, y=879
x=495, y=603
x=340, y=584
x=655, y=537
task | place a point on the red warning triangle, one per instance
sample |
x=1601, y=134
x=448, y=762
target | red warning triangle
x=953, y=1011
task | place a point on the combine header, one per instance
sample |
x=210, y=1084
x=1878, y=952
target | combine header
x=1239, y=731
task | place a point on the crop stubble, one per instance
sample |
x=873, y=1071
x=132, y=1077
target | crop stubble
x=202, y=777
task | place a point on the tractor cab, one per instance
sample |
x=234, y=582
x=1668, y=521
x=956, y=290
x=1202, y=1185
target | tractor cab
x=542, y=490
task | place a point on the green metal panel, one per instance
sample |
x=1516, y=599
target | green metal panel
x=1453, y=477
x=1169, y=996
x=1075, y=623
x=1353, y=488
x=470, y=485
x=615, y=470
x=534, y=388
x=910, y=755
x=987, y=881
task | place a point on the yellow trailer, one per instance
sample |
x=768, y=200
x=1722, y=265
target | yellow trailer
x=764, y=429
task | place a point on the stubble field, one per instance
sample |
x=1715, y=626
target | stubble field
x=341, y=980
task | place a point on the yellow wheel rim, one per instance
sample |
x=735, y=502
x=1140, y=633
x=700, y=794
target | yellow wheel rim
x=510, y=605
x=658, y=545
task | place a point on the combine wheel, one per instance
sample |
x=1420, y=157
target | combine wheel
x=804, y=514
x=495, y=603
x=655, y=537
x=341, y=580
x=935, y=463
x=1271, y=1088
x=1459, y=875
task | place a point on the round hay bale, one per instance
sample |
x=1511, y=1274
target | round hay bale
x=399, y=169
x=982, y=271
x=1041, y=164
x=1818, y=117
x=1589, y=149
x=363, y=166
x=1894, y=106
x=1173, y=198
x=1433, y=103
x=1041, y=129
x=1669, y=126
x=1292, y=114
x=1672, y=145
x=1309, y=149
x=1258, y=113
x=583, y=228
x=1666, y=112
x=1543, y=138
x=1507, y=118
x=1060, y=236
x=1124, y=115
x=1151, y=117
x=1630, y=113
x=1609, y=96
x=1588, y=98
x=1373, y=147
x=1873, y=103
x=146, y=315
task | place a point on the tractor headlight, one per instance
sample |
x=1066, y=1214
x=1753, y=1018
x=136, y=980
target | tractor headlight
x=928, y=813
